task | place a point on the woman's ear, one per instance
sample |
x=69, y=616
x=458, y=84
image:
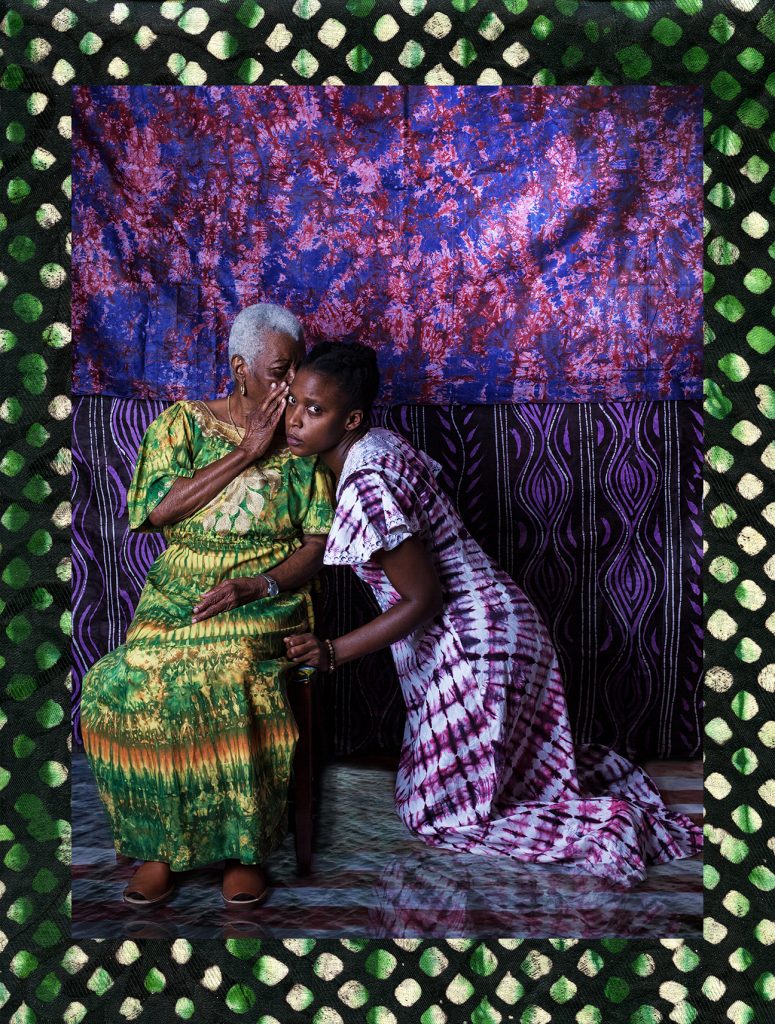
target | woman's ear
x=237, y=368
x=354, y=419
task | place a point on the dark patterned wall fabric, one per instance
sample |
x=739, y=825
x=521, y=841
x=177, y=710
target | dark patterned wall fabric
x=728, y=49
x=493, y=244
x=593, y=509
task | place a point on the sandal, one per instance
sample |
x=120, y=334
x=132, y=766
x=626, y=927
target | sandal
x=243, y=884
x=136, y=894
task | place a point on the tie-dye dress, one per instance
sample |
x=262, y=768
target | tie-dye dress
x=187, y=725
x=488, y=763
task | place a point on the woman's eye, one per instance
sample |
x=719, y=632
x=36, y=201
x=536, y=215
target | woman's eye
x=291, y=400
x=314, y=409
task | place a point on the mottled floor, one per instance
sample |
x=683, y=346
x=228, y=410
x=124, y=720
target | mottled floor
x=372, y=878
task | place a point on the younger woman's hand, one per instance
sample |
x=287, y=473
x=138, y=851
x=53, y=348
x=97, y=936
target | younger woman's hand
x=228, y=594
x=260, y=425
x=306, y=649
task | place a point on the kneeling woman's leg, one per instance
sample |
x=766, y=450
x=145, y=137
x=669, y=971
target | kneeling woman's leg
x=191, y=746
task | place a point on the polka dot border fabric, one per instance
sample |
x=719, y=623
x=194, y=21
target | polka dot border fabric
x=729, y=48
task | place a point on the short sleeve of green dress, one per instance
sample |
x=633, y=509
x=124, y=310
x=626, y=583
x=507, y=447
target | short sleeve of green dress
x=311, y=501
x=166, y=453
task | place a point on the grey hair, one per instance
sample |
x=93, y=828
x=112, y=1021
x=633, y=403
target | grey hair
x=250, y=328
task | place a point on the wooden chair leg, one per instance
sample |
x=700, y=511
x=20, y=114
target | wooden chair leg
x=303, y=766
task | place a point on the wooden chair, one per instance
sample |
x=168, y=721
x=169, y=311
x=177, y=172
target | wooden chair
x=301, y=695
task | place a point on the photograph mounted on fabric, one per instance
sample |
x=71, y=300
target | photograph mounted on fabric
x=526, y=264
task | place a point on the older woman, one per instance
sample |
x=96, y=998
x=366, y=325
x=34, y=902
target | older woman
x=187, y=725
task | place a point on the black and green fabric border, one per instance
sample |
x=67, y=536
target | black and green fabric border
x=728, y=47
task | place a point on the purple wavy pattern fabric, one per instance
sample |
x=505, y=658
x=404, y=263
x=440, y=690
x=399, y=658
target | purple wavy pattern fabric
x=593, y=509
x=494, y=244
x=110, y=561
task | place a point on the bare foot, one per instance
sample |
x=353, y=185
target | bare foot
x=151, y=883
x=243, y=883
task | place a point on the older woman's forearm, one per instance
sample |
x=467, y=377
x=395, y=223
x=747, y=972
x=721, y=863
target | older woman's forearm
x=191, y=494
x=302, y=565
x=294, y=572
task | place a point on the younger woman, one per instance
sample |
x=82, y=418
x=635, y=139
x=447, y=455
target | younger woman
x=488, y=763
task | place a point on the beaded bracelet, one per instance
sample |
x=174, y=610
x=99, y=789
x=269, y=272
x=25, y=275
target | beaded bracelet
x=331, y=655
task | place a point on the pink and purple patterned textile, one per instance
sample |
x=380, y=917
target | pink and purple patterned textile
x=493, y=244
x=488, y=762
x=592, y=509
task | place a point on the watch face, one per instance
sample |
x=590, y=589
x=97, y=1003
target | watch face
x=272, y=589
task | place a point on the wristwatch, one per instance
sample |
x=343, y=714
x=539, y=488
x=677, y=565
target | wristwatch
x=272, y=586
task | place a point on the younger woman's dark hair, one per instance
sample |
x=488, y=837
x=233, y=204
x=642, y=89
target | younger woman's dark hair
x=354, y=368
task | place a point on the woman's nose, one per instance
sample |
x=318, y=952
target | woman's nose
x=292, y=415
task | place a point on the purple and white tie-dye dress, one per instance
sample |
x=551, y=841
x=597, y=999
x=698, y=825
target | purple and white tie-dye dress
x=488, y=763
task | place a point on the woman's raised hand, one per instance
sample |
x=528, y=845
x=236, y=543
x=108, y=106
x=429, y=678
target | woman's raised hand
x=261, y=423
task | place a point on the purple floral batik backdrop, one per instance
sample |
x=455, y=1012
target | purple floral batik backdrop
x=493, y=244
x=526, y=260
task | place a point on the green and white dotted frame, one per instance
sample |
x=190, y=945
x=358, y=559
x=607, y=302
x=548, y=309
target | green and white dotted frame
x=48, y=46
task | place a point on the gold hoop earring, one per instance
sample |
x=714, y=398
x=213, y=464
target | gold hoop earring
x=242, y=389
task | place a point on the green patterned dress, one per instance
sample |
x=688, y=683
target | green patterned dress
x=187, y=726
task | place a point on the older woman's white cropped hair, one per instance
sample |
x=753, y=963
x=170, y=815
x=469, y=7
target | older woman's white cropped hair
x=252, y=325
